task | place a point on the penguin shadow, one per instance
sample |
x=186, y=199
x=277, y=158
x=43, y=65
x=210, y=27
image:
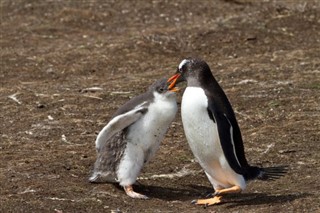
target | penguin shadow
x=248, y=199
x=192, y=192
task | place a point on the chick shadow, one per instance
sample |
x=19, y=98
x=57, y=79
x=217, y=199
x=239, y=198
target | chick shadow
x=189, y=193
x=192, y=192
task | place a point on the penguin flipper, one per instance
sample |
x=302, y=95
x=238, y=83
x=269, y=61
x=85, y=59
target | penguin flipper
x=119, y=123
x=230, y=139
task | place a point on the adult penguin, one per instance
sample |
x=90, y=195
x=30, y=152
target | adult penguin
x=213, y=133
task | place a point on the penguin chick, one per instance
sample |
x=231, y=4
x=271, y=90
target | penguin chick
x=133, y=135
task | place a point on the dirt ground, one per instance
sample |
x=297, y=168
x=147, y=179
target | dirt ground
x=66, y=66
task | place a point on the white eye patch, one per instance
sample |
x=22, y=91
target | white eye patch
x=183, y=62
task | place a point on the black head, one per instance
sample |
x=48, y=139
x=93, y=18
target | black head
x=162, y=86
x=159, y=89
x=193, y=70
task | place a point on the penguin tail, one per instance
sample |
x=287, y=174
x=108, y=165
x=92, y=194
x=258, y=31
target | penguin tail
x=272, y=173
x=266, y=173
x=102, y=177
x=95, y=178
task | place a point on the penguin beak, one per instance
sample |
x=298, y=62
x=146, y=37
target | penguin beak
x=173, y=81
x=174, y=89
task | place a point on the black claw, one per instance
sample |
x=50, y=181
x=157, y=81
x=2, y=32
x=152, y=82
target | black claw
x=193, y=202
x=215, y=194
x=209, y=195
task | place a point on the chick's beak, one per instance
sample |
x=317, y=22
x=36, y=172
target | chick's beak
x=172, y=82
x=174, y=89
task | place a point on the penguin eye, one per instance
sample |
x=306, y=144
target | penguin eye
x=179, y=70
x=161, y=90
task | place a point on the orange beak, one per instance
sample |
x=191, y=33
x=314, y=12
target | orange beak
x=173, y=81
x=174, y=89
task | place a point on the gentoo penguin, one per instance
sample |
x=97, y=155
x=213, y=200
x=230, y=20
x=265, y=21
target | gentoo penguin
x=213, y=133
x=133, y=135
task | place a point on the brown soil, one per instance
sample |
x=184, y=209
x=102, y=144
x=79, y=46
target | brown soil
x=265, y=54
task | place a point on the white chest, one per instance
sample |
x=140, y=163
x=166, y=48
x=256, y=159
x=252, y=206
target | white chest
x=149, y=131
x=203, y=138
x=200, y=130
x=160, y=114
